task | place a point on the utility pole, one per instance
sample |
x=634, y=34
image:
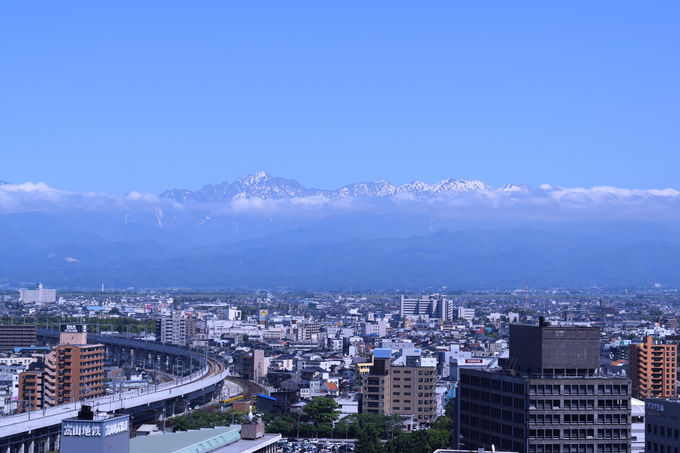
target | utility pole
x=298, y=426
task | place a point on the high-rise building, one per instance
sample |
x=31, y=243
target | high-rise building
x=73, y=370
x=432, y=306
x=652, y=366
x=13, y=336
x=402, y=385
x=39, y=294
x=548, y=398
x=173, y=329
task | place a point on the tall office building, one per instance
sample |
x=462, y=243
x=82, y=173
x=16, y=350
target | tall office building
x=432, y=306
x=73, y=370
x=403, y=385
x=652, y=366
x=548, y=398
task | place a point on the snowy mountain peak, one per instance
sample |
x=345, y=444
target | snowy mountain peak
x=264, y=186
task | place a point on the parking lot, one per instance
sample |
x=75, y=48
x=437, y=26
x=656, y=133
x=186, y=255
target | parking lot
x=314, y=446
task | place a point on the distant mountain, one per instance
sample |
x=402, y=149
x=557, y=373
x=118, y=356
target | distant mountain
x=259, y=185
x=262, y=185
x=482, y=259
x=262, y=231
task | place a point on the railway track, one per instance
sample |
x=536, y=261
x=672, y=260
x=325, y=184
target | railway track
x=250, y=389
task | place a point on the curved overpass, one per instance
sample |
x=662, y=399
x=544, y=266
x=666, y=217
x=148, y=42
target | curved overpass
x=22, y=428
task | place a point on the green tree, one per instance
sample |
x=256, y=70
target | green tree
x=322, y=411
x=368, y=441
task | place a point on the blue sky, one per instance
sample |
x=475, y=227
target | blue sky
x=153, y=95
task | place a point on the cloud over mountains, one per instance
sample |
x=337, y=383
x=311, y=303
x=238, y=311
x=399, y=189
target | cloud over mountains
x=261, y=194
x=262, y=231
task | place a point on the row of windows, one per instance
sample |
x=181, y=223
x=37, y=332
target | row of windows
x=408, y=409
x=494, y=412
x=580, y=389
x=660, y=448
x=408, y=379
x=506, y=387
x=495, y=398
x=663, y=431
x=484, y=422
x=580, y=419
x=602, y=404
x=580, y=448
x=420, y=372
x=476, y=438
x=492, y=425
x=578, y=434
x=541, y=419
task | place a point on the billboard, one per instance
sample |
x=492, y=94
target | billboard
x=96, y=435
x=73, y=328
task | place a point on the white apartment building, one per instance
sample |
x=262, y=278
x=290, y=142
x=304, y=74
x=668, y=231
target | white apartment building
x=38, y=295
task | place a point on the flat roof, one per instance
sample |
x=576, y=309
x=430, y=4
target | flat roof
x=382, y=353
x=249, y=446
x=206, y=440
x=222, y=439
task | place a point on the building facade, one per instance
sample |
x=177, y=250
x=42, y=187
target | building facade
x=31, y=388
x=72, y=371
x=652, y=367
x=548, y=398
x=13, y=336
x=174, y=329
x=432, y=306
x=662, y=425
x=406, y=389
x=250, y=365
x=38, y=295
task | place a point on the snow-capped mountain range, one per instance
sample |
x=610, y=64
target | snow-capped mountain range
x=264, y=186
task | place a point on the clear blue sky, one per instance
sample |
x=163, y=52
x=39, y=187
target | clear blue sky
x=116, y=96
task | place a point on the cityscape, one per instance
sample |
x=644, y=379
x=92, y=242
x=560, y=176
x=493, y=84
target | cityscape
x=339, y=227
x=526, y=370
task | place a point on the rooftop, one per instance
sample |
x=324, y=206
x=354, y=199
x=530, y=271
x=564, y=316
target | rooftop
x=222, y=439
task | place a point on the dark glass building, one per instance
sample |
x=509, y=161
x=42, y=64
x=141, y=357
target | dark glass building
x=547, y=398
x=662, y=422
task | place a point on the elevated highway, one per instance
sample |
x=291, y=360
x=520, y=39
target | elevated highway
x=38, y=430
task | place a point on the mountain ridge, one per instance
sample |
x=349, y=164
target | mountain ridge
x=264, y=186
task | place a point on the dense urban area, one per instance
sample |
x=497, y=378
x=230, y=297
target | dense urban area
x=526, y=371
